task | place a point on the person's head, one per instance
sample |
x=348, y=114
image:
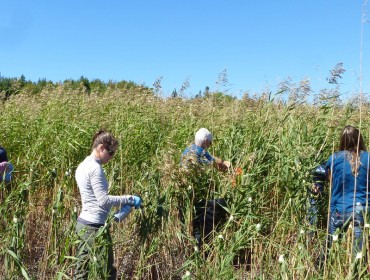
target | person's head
x=203, y=138
x=351, y=140
x=104, y=145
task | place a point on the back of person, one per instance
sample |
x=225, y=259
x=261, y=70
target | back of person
x=197, y=164
x=348, y=189
x=348, y=174
x=195, y=154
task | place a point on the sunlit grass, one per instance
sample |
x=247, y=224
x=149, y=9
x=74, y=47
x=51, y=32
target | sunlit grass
x=274, y=144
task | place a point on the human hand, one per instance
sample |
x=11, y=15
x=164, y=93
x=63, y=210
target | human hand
x=315, y=189
x=123, y=213
x=137, y=201
x=224, y=166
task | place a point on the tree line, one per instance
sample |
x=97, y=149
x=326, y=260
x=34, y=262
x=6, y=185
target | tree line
x=14, y=85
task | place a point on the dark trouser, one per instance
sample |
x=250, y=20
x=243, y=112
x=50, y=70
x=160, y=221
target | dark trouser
x=208, y=216
x=312, y=212
x=94, y=253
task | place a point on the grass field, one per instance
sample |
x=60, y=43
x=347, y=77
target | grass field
x=275, y=143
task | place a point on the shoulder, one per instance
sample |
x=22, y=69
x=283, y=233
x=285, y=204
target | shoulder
x=365, y=153
x=333, y=157
x=338, y=154
x=87, y=166
x=364, y=156
x=190, y=149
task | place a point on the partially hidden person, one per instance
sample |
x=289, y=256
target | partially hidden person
x=6, y=168
x=208, y=211
x=348, y=174
x=96, y=206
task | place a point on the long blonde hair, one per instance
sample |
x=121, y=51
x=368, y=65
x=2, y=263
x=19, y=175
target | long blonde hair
x=352, y=141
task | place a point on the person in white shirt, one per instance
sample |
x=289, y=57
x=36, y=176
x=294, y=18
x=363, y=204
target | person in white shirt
x=96, y=205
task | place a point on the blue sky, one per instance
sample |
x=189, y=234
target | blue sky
x=257, y=43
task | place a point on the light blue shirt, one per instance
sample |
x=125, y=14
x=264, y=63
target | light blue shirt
x=199, y=154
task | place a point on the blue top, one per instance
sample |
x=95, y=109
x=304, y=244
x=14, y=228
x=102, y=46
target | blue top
x=344, y=183
x=198, y=153
x=198, y=161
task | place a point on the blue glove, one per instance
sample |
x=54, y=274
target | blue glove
x=123, y=213
x=137, y=201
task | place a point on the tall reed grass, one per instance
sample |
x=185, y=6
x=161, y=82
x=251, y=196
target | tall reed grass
x=274, y=143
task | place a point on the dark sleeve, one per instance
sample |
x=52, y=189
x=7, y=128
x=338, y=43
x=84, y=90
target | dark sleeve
x=3, y=155
x=319, y=175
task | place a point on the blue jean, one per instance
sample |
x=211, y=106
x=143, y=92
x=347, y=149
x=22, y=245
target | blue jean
x=342, y=221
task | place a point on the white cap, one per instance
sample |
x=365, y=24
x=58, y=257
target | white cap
x=202, y=135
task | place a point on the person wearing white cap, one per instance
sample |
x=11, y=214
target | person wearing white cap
x=203, y=140
x=208, y=213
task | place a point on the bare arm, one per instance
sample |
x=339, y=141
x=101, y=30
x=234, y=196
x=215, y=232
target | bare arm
x=222, y=165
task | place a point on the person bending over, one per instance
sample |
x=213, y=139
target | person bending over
x=208, y=213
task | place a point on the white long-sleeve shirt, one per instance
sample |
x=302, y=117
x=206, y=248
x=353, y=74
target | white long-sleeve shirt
x=96, y=203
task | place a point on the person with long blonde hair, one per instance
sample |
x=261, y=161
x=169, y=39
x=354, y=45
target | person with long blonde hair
x=348, y=173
